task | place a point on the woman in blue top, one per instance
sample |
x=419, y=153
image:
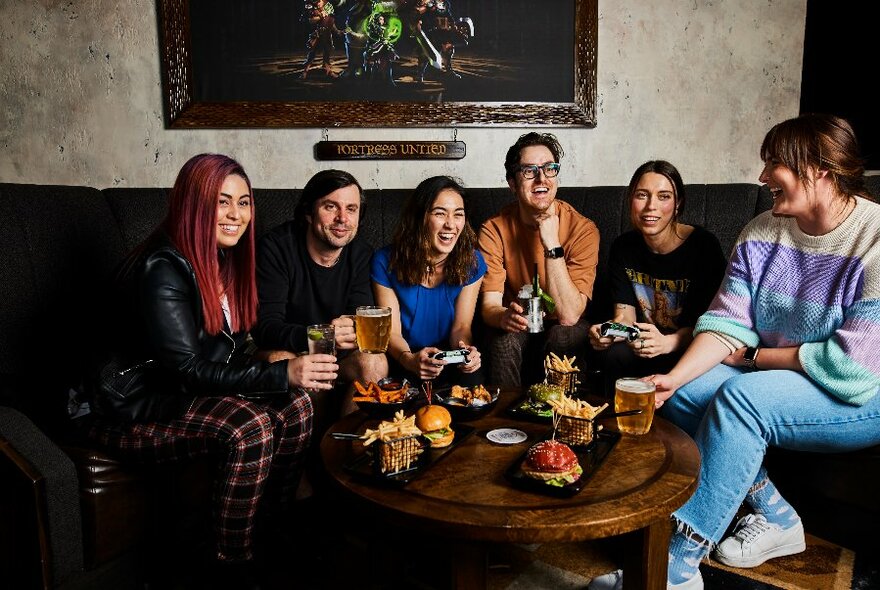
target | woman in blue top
x=430, y=277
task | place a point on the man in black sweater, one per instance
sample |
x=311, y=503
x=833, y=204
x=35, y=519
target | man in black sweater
x=312, y=270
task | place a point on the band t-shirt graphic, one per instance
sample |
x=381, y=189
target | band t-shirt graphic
x=668, y=290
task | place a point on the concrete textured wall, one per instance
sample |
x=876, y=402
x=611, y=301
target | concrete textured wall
x=696, y=82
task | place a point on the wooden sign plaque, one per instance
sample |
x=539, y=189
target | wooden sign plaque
x=389, y=150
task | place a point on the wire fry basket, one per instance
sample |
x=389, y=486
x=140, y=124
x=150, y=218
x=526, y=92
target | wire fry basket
x=568, y=381
x=397, y=455
x=573, y=430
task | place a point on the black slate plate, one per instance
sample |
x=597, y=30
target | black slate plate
x=589, y=457
x=362, y=465
x=518, y=409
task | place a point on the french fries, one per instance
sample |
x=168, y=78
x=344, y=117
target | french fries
x=400, y=448
x=374, y=393
x=563, y=365
x=399, y=427
x=567, y=406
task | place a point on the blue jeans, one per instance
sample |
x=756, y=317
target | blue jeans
x=734, y=415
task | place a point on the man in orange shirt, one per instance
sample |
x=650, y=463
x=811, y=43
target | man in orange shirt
x=536, y=229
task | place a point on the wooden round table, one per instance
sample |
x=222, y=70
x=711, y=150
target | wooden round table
x=466, y=497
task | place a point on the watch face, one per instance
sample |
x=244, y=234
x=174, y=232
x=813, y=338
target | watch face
x=555, y=253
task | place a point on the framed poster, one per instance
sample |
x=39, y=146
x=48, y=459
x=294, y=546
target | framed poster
x=378, y=63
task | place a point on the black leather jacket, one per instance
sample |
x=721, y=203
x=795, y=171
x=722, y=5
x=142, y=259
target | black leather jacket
x=162, y=357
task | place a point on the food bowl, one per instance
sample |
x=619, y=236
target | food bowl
x=386, y=410
x=391, y=383
x=460, y=409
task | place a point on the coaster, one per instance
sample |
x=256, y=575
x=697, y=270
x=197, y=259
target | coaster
x=506, y=436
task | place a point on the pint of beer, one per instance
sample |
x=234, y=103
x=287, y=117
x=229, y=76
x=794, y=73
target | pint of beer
x=373, y=328
x=634, y=394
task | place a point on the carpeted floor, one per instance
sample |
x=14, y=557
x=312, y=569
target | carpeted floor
x=823, y=566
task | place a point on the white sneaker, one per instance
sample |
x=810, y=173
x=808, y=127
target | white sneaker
x=755, y=541
x=614, y=581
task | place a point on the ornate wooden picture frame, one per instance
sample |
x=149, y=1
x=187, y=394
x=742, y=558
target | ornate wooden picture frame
x=184, y=108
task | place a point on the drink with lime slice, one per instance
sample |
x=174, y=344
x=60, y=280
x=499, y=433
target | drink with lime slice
x=322, y=339
x=532, y=311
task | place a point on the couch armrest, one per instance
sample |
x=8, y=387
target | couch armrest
x=46, y=498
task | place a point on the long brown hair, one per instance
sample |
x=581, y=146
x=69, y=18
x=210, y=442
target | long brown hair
x=191, y=224
x=821, y=142
x=411, y=244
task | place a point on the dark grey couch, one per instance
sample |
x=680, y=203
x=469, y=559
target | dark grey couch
x=78, y=518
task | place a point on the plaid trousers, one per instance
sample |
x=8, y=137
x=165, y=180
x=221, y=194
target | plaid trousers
x=253, y=440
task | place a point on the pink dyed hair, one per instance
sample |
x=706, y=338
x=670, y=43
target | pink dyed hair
x=192, y=224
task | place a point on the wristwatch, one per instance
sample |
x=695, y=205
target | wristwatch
x=750, y=356
x=556, y=252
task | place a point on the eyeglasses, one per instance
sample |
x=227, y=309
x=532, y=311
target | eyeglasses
x=530, y=171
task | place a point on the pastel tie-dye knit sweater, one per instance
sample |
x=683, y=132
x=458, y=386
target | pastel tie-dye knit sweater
x=786, y=288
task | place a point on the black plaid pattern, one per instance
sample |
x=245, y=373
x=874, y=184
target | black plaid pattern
x=260, y=445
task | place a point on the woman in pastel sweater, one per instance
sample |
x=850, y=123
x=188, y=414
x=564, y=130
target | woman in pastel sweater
x=786, y=355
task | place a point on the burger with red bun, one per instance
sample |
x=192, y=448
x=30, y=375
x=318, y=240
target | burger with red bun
x=552, y=462
x=434, y=421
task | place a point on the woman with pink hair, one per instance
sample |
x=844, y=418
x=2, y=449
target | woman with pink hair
x=178, y=381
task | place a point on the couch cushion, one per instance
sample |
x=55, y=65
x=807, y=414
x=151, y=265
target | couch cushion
x=59, y=244
x=137, y=212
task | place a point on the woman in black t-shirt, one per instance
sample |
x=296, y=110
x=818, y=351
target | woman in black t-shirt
x=664, y=274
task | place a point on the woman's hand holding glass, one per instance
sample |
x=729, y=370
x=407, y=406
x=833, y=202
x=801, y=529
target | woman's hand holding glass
x=315, y=372
x=665, y=387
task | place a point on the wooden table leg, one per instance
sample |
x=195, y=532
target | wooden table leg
x=469, y=566
x=646, y=557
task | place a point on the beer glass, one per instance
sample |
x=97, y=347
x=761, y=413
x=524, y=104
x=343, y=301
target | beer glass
x=372, y=325
x=634, y=394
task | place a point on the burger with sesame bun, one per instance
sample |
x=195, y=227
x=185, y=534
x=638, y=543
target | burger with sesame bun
x=434, y=422
x=552, y=462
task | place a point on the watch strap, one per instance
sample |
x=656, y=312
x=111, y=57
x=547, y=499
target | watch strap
x=750, y=356
x=557, y=252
